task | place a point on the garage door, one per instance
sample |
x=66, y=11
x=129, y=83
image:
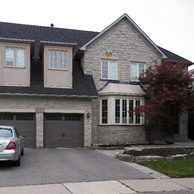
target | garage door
x=25, y=123
x=63, y=130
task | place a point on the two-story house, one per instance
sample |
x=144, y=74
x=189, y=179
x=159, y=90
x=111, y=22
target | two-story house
x=72, y=88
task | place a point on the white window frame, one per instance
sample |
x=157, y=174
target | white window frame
x=17, y=62
x=109, y=69
x=111, y=110
x=137, y=72
x=57, y=65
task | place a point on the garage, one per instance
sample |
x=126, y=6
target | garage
x=25, y=123
x=63, y=130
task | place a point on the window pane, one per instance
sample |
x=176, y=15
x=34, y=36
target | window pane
x=63, y=58
x=105, y=69
x=104, y=111
x=124, y=111
x=113, y=70
x=141, y=70
x=137, y=116
x=20, y=58
x=53, y=59
x=117, y=111
x=9, y=57
x=134, y=72
x=130, y=111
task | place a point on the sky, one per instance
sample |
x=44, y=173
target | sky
x=169, y=23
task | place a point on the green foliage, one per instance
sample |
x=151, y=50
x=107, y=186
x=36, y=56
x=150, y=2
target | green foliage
x=175, y=168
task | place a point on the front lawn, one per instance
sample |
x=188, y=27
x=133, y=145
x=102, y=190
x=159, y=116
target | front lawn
x=174, y=168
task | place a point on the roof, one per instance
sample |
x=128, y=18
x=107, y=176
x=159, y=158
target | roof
x=136, y=27
x=122, y=89
x=83, y=85
x=174, y=57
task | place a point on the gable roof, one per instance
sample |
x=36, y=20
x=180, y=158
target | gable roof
x=174, y=57
x=83, y=85
x=136, y=27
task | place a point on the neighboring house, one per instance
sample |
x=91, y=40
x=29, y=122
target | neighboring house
x=71, y=88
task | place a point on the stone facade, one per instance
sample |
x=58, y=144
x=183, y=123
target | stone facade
x=126, y=46
x=41, y=105
x=121, y=135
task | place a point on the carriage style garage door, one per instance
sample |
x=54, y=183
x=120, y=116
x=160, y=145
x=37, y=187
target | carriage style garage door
x=25, y=123
x=63, y=130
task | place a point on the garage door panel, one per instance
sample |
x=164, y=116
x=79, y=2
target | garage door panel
x=63, y=130
x=25, y=123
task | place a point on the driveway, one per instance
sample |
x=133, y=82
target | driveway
x=44, y=166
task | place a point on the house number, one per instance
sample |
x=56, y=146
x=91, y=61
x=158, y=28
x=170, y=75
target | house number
x=39, y=110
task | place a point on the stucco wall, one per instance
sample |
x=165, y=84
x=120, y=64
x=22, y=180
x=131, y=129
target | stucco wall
x=41, y=105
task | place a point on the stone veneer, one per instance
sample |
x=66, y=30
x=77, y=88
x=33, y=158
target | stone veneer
x=41, y=105
x=126, y=46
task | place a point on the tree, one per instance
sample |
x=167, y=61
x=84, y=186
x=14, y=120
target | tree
x=168, y=96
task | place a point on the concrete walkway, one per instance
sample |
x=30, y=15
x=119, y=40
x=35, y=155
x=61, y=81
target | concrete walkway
x=185, y=185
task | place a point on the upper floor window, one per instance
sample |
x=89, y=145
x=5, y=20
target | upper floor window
x=109, y=69
x=137, y=70
x=14, y=57
x=57, y=59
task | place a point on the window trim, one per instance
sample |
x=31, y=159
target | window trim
x=109, y=67
x=111, y=117
x=138, y=70
x=58, y=55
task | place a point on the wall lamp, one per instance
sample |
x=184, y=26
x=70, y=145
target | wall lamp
x=88, y=115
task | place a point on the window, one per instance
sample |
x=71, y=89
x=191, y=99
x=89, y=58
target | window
x=104, y=111
x=57, y=59
x=137, y=70
x=14, y=57
x=120, y=111
x=117, y=111
x=109, y=69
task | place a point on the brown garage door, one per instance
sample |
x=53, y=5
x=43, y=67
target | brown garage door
x=63, y=130
x=25, y=123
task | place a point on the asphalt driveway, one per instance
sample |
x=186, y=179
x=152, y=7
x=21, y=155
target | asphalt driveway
x=45, y=166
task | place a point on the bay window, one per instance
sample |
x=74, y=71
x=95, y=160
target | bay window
x=119, y=111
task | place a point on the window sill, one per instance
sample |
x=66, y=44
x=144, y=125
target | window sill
x=121, y=125
x=103, y=79
x=55, y=69
x=14, y=67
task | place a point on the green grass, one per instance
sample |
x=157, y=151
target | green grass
x=174, y=168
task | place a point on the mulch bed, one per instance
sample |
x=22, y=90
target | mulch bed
x=165, y=152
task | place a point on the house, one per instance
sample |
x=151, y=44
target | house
x=72, y=88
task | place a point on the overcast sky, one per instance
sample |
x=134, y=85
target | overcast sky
x=169, y=23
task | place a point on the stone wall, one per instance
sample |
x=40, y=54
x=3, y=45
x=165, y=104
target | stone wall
x=119, y=135
x=41, y=105
x=127, y=47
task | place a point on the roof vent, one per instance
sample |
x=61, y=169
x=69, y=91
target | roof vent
x=52, y=25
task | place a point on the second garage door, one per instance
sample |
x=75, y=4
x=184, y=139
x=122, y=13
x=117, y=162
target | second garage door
x=63, y=130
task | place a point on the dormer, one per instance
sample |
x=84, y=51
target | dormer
x=57, y=60
x=15, y=55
